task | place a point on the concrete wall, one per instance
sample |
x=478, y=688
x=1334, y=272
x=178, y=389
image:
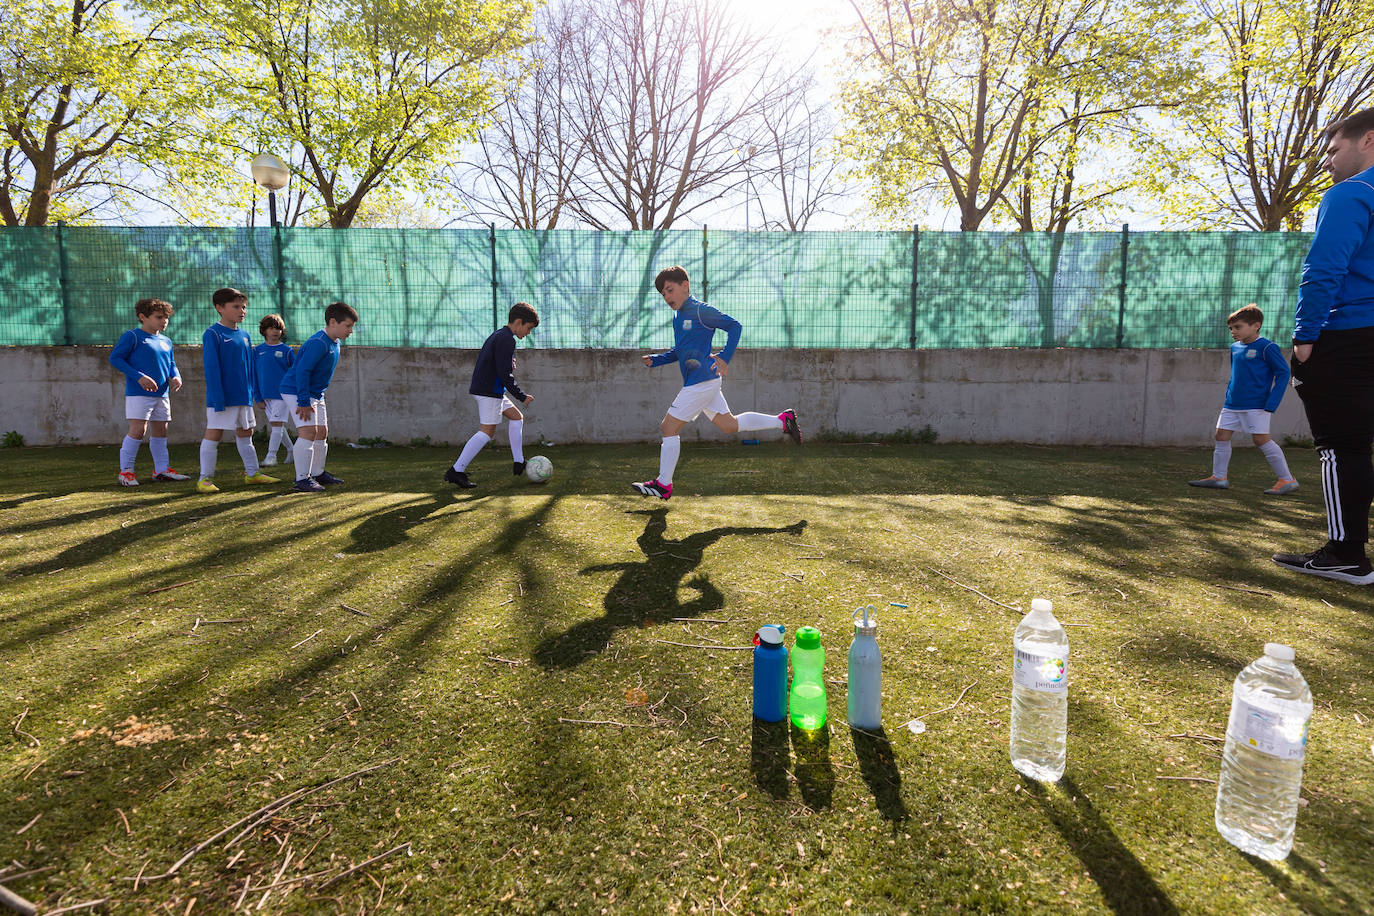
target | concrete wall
x=71, y=395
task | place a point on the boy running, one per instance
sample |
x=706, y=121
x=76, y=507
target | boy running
x=145, y=357
x=229, y=396
x=493, y=385
x=694, y=325
x=1259, y=376
x=270, y=362
x=303, y=387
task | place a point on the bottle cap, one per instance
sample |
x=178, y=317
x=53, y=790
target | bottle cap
x=1280, y=651
x=865, y=624
x=808, y=638
x=770, y=634
x=1042, y=604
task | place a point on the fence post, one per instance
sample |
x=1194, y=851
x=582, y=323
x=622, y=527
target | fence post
x=1121, y=289
x=62, y=283
x=915, y=277
x=705, y=274
x=495, y=309
x=281, y=270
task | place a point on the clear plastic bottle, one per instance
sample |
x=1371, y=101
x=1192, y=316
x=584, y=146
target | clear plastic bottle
x=1261, y=769
x=1039, y=694
x=865, y=673
x=806, y=703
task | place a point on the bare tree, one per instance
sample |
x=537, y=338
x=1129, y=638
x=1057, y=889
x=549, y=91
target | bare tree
x=797, y=166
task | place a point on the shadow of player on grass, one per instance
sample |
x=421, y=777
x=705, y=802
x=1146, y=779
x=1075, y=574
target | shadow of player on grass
x=646, y=592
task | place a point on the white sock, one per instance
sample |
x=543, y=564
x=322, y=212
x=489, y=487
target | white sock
x=161, y=460
x=1221, y=458
x=248, y=453
x=302, y=455
x=475, y=444
x=516, y=429
x=128, y=453
x=274, y=440
x=286, y=438
x=1274, y=455
x=667, y=457
x=209, y=450
x=317, y=457
x=750, y=421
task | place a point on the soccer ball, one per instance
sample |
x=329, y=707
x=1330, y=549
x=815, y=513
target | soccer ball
x=539, y=469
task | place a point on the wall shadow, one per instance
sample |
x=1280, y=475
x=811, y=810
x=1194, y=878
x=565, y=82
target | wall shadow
x=878, y=766
x=1126, y=885
x=647, y=592
x=769, y=755
x=814, y=771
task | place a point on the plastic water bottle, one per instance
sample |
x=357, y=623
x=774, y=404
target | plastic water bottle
x=865, y=673
x=1039, y=694
x=1261, y=769
x=807, y=701
x=770, y=674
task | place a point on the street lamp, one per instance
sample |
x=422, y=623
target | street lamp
x=272, y=174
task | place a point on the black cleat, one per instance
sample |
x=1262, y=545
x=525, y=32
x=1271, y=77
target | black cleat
x=789, y=425
x=460, y=478
x=326, y=479
x=519, y=468
x=1326, y=563
x=654, y=488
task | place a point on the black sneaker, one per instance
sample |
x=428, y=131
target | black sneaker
x=460, y=478
x=519, y=468
x=1327, y=564
x=324, y=478
x=307, y=485
x=789, y=425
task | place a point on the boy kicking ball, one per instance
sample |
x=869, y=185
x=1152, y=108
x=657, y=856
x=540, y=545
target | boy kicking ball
x=694, y=325
x=1259, y=376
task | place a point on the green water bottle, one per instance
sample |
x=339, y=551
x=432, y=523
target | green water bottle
x=806, y=703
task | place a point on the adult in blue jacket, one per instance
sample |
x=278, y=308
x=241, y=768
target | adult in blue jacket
x=1333, y=352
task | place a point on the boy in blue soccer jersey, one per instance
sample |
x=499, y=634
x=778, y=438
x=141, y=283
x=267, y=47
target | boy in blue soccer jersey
x=303, y=387
x=227, y=352
x=492, y=387
x=145, y=357
x=694, y=325
x=270, y=362
x=1259, y=376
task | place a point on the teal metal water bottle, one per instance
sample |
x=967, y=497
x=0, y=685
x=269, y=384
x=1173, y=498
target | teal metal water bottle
x=806, y=704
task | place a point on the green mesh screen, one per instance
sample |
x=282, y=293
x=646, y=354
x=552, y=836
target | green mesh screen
x=450, y=288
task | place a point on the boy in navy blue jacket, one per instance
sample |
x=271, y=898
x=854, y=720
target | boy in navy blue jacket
x=1259, y=377
x=229, y=395
x=303, y=387
x=493, y=385
x=145, y=357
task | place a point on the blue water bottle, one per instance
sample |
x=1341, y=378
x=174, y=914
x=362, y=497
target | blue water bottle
x=770, y=674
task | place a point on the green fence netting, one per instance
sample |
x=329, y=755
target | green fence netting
x=450, y=288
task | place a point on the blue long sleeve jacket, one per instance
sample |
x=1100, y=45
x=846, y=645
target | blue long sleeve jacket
x=269, y=365
x=1259, y=376
x=227, y=353
x=1337, y=290
x=310, y=375
x=138, y=353
x=494, y=373
x=694, y=326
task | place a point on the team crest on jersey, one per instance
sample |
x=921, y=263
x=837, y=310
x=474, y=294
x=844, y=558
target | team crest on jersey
x=1251, y=354
x=686, y=324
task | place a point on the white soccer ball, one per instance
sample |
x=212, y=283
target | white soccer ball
x=539, y=469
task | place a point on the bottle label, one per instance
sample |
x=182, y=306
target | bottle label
x=1268, y=731
x=1041, y=672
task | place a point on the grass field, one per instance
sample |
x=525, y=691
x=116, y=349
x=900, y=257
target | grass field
x=491, y=676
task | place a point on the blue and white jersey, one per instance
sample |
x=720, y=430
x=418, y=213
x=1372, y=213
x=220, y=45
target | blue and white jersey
x=139, y=353
x=228, y=356
x=310, y=375
x=1337, y=290
x=1259, y=376
x=270, y=362
x=694, y=325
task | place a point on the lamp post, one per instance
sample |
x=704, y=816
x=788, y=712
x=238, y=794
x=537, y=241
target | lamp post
x=272, y=174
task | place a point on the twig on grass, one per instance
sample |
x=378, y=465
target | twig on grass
x=976, y=592
x=229, y=620
x=12, y=900
x=127, y=831
x=796, y=576
x=505, y=661
x=154, y=591
x=29, y=824
x=344, y=874
x=1195, y=737
x=1241, y=588
x=506, y=602
x=353, y=610
x=308, y=638
x=947, y=708
x=1188, y=779
x=699, y=620
x=19, y=731
x=688, y=645
x=78, y=906
x=603, y=722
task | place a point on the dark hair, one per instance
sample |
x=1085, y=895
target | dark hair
x=1357, y=125
x=674, y=274
x=271, y=321
x=339, y=311
x=524, y=312
x=1249, y=314
x=227, y=295
x=145, y=307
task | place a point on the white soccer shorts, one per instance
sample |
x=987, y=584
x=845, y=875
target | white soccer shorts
x=1254, y=422
x=694, y=400
x=489, y=410
x=319, y=418
x=278, y=411
x=230, y=418
x=147, y=407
